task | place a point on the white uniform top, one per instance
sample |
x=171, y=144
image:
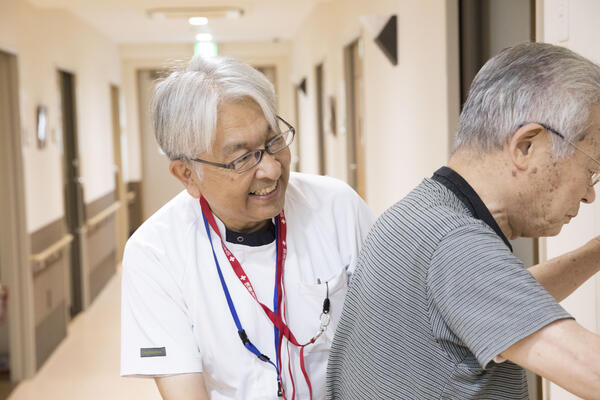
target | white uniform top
x=174, y=312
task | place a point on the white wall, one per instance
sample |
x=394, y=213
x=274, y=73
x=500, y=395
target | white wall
x=44, y=41
x=410, y=110
x=583, y=31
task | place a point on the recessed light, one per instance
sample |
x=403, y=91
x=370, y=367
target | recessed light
x=204, y=37
x=197, y=21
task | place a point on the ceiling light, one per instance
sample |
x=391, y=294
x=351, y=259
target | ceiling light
x=204, y=37
x=197, y=21
x=190, y=12
x=234, y=14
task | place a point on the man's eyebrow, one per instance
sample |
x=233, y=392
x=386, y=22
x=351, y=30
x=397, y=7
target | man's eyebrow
x=235, y=146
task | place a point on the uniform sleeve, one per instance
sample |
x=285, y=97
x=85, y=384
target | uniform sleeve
x=156, y=330
x=485, y=295
x=360, y=219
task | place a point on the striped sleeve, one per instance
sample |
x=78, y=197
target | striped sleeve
x=484, y=294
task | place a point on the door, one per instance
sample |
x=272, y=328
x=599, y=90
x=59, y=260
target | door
x=16, y=301
x=73, y=189
x=354, y=117
x=319, y=94
x=296, y=164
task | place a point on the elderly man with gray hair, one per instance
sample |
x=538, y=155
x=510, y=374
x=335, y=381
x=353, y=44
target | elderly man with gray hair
x=233, y=289
x=439, y=307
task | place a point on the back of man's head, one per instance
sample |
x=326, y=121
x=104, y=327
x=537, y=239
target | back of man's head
x=530, y=82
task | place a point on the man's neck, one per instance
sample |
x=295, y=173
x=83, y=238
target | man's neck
x=483, y=173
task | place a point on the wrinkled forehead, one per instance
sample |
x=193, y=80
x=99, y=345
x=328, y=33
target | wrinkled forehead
x=240, y=124
x=592, y=133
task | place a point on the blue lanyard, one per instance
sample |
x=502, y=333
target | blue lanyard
x=243, y=336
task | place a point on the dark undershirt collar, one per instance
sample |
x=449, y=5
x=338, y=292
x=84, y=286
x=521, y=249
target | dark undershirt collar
x=461, y=188
x=261, y=237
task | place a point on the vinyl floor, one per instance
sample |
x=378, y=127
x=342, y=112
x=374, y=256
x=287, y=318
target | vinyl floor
x=86, y=364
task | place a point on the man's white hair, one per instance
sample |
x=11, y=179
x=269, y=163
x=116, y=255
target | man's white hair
x=530, y=82
x=186, y=103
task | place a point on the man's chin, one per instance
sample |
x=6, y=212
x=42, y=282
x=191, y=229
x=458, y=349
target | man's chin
x=553, y=230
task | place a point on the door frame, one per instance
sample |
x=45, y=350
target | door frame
x=122, y=214
x=355, y=149
x=15, y=246
x=74, y=199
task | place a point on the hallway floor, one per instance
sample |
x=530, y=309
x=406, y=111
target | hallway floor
x=86, y=364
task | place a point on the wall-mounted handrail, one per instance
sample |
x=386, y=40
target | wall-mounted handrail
x=97, y=219
x=130, y=197
x=50, y=254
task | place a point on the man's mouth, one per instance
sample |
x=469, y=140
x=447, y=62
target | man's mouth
x=265, y=191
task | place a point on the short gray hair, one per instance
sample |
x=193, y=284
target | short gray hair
x=530, y=82
x=186, y=103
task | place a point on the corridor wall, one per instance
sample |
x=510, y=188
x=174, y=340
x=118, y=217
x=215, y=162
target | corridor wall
x=45, y=41
x=410, y=110
x=578, y=31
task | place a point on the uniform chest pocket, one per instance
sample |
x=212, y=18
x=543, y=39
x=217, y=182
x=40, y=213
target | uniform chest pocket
x=335, y=288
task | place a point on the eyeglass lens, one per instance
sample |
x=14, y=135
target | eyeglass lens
x=275, y=145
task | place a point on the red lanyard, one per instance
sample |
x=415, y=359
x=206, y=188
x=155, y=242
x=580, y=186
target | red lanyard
x=245, y=280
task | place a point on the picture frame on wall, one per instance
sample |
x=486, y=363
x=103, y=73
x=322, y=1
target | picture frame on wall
x=41, y=126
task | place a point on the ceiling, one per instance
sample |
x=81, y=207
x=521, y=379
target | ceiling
x=127, y=21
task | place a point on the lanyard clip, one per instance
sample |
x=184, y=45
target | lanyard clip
x=279, y=391
x=244, y=337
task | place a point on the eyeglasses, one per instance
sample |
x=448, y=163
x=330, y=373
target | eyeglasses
x=595, y=178
x=253, y=158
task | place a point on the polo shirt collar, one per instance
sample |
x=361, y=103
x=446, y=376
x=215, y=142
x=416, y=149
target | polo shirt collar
x=467, y=195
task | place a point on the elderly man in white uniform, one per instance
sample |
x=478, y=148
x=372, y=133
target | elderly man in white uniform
x=233, y=289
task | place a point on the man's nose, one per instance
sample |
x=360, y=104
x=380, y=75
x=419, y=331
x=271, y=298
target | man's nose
x=590, y=195
x=269, y=167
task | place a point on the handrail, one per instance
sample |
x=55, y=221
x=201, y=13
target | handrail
x=102, y=215
x=54, y=248
x=130, y=197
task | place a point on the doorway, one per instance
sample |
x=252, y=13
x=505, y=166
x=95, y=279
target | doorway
x=355, y=147
x=73, y=189
x=158, y=185
x=16, y=305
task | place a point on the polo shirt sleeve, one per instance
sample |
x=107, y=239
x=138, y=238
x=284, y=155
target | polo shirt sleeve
x=156, y=330
x=484, y=294
x=356, y=219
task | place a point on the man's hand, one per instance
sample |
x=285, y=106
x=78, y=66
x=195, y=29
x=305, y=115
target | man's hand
x=182, y=387
x=563, y=352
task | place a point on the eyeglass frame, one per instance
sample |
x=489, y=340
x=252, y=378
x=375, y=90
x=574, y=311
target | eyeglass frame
x=262, y=151
x=595, y=178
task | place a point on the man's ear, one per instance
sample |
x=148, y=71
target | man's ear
x=524, y=144
x=180, y=170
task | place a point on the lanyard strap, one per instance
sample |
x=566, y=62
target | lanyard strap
x=247, y=343
x=280, y=328
x=243, y=278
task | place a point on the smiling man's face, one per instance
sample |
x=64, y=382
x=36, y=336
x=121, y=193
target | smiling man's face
x=246, y=201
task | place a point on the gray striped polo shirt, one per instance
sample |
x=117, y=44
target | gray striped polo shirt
x=436, y=295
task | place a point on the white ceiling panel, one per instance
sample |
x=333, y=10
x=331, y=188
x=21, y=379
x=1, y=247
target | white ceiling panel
x=127, y=21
